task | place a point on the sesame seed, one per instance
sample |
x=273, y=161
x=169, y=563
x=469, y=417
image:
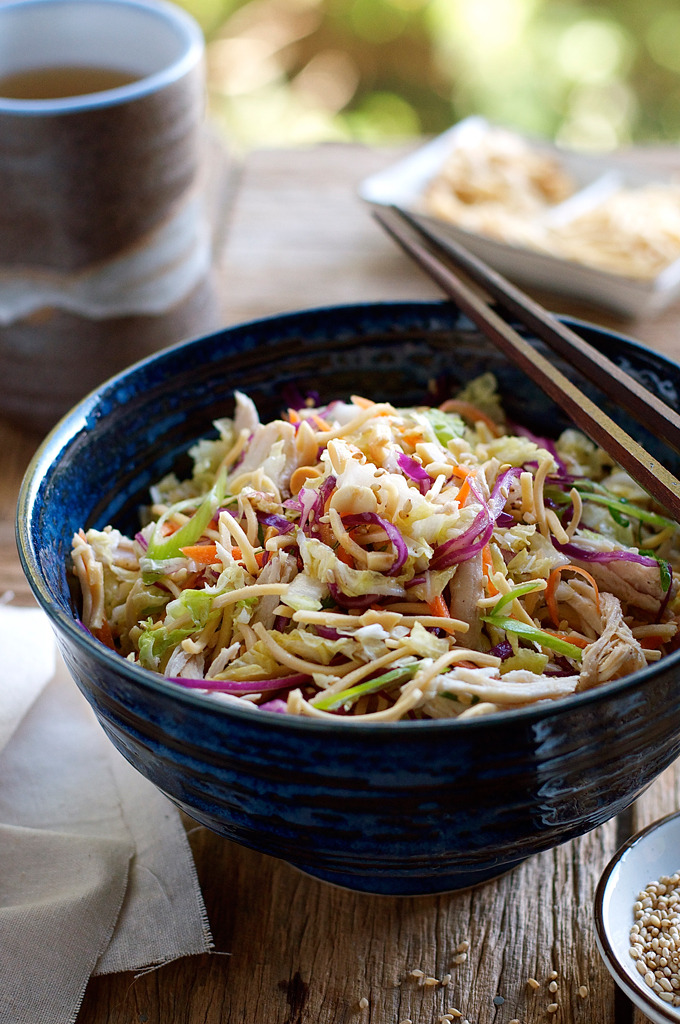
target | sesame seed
x=406, y=1020
x=553, y=975
x=553, y=1008
x=446, y=979
x=431, y=981
x=552, y=987
x=454, y=1012
x=583, y=991
x=655, y=936
x=416, y=973
x=463, y=946
x=363, y=1003
x=532, y=983
x=513, y=1021
x=460, y=958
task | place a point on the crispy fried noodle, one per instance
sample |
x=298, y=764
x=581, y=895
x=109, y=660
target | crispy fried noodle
x=362, y=562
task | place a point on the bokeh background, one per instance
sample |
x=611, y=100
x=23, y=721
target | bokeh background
x=587, y=75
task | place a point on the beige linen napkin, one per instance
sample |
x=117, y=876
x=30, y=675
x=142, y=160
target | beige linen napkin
x=96, y=873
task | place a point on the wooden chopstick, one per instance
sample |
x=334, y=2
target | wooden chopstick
x=643, y=467
x=618, y=385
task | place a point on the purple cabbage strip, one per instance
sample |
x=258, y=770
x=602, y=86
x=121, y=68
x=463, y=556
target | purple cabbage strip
x=360, y=518
x=414, y=471
x=497, y=500
x=462, y=548
x=542, y=442
x=327, y=632
x=471, y=541
x=280, y=523
x=505, y=519
x=310, y=501
x=415, y=582
x=295, y=399
x=238, y=686
x=278, y=705
x=563, y=480
x=349, y=601
x=326, y=488
x=142, y=541
x=574, y=551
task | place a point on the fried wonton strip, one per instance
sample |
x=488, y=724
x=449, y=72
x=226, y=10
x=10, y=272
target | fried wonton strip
x=90, y=575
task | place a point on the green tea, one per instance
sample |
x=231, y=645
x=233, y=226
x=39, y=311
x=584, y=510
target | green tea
x=61, y=81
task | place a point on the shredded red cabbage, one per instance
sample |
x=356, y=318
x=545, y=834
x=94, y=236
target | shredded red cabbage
x=471, y=541
x=142, y=541
x=401, y=551
x=238, y=686
x=277, y=705
x=350, y=601
x=505, y=519
x=542, y=442
x=574, y=551
x=414, y=471
x=280, y=523
x=415, y=582
x=327, y=632
x=310, y=504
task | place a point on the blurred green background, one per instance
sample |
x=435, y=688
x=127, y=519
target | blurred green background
x=588, y=75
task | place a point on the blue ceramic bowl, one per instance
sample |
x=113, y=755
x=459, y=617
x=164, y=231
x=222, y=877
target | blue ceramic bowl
x=401, y=808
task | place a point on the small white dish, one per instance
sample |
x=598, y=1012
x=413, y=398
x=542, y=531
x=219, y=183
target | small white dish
x=403, y=183
x=651, y=853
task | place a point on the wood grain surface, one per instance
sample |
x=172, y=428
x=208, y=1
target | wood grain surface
x=289, y=949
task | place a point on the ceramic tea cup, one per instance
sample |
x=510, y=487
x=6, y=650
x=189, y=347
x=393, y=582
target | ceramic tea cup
x=104, y=243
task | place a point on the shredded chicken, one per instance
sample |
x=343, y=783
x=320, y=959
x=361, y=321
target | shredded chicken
x=467, y=590
x=616, y=653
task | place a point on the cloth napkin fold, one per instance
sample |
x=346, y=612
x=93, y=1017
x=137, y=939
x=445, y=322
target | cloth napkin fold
x=96, y=874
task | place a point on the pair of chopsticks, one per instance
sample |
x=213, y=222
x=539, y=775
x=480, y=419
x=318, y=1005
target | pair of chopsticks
x=438, y=255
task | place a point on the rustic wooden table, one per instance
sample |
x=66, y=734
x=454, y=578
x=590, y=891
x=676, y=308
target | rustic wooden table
x=293, y=234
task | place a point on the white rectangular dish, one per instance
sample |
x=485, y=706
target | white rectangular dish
x=595, y=177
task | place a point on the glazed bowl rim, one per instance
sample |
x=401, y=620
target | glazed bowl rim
x=67, y=429
x=605, y=946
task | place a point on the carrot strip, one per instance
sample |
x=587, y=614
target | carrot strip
x=363, y=403
x=104, y=635
x=471, y=413
x=651, y=642
x=487, y=570
x=463, y=492
x=205, y=554
x=236, y=553
x=293, y=416
x=572, y=638
x=344, y=556
x=321, y=424
x=438, y=607
x=554, y=579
